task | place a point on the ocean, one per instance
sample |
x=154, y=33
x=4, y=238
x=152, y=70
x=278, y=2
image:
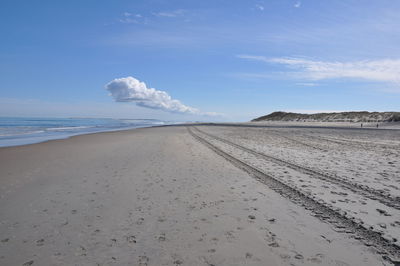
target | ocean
x=16, y=131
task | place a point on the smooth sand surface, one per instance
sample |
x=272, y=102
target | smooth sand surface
x=154, y=196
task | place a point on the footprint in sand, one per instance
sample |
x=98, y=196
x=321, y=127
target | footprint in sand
x=177, y=259
x=214, y=239
x=298, y=256
x=229, y=235
x=40, y=242
x=178, y=262
x=161, y=219
x=143, y=261
x=113, y=242
x=317, y=258
x=161, y=237
x=285, y=256
x=131, y=239
x=273, y=244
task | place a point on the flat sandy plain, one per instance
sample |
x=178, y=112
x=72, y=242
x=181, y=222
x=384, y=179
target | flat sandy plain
x=203, y=195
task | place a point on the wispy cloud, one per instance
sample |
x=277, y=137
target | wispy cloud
x=297, y=4
x=307, y=84
x=385, y=70
x=260, y=7
x=130, y=89
x=131, y=18
x=128, y=18
x=170, y=14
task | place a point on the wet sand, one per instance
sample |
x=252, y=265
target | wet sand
x=163, y=196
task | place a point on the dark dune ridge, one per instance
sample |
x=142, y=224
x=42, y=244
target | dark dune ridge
x=362, y=116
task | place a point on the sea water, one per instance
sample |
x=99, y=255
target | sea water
x=24, y=130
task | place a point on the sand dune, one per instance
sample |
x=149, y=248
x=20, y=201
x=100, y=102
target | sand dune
x=333, y=117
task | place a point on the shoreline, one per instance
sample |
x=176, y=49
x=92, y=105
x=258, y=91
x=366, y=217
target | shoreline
x=68, y=136
x=270, y=124
x=16, y=131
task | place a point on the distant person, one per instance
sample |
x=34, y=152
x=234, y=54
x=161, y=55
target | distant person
x=361, y=125
x=377, y=125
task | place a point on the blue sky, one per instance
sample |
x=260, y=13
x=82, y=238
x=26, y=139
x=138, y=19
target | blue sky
x=206, y=60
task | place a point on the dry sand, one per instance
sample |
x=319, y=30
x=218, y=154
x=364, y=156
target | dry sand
x=161, y=196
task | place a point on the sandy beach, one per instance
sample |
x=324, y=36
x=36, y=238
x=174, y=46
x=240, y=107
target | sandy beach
x=203, y=195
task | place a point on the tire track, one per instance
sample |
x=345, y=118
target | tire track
x=298, y=141
x=358, y=144
x=360, y=189
x=279, y=135
x=339, y=219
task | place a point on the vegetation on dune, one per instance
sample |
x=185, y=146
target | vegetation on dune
x=363, y=116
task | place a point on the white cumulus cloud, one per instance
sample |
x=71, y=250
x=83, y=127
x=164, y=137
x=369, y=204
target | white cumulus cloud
x=130, y=89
